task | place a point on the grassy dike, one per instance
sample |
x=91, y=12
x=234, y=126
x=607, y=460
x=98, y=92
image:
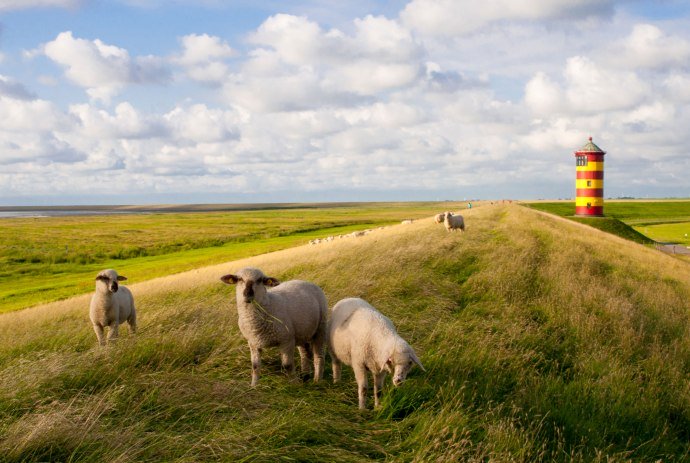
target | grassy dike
x=541, y=343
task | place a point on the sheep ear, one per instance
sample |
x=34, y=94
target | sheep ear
x=229, y=279
x=101, y=277
x=414, y=358
x=121, y=278
x=271, y=282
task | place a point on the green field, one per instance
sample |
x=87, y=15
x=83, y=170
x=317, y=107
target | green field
x=540, y=343
x=45, y=259
x=641, y=221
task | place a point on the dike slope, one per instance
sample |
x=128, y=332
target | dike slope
x=544, y=341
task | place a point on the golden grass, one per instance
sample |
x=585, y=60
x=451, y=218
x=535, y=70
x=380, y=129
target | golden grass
x=543, y=340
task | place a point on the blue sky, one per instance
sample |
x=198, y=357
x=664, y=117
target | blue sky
x=150, y=101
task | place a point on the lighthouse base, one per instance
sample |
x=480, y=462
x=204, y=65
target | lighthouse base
x=591, y=211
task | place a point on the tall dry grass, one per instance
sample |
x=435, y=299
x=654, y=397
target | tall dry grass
x=543, y=341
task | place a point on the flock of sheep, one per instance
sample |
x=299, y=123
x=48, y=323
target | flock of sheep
x=288, y=315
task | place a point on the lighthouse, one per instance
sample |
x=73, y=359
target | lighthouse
x=589, y=181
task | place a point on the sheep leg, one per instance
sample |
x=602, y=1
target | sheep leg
x=287, y=358
x=99, y=333
x=256, y=363
x=318, y=353
x=361, y=377
x=335, y=365
x=304, y=359
x=132, y=323
x=378, y=386
x=113, y=333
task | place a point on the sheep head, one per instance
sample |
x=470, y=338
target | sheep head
x=251, y=283
x=401, y=361
x=107, y=281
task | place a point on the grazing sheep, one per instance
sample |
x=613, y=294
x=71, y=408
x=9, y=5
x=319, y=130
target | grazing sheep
x=111, y=305
x=439, y=218
x=454, y=222
x=407, y=221
x=285, y=315
x=362, y=337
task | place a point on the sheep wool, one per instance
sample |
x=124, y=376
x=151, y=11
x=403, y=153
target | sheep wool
x=362, y=337
x=454, y=222
x=284, y=315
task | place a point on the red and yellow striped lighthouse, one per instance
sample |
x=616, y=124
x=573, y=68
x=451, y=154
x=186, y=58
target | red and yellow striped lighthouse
x=589, y=183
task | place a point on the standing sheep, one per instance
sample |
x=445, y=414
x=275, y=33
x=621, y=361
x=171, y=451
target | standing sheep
x=111, y=305
x=362, y=337
x=454, y=222
x=439, y=218
x=285, y=315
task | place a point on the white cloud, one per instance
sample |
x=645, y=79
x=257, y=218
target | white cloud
x=296, y=40
x=587, y=88
x=677, y=86
x=458, y=17
x=102, y=69
x=13, y=89
x=125, y=123
x=298, y=65
x=593, y=88
x=648, y=46
x=30, y=116
x=542, y=95
x=9, y=5
x=200, y=124
x=204, y=56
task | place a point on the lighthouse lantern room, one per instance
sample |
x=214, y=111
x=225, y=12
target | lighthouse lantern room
x=589, y=183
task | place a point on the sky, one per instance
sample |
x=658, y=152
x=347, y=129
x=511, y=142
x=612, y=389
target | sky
x=210, y=101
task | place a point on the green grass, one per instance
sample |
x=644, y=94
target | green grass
x=540, y=345
x=667, y=232
x=46, y=259
x=644, y=222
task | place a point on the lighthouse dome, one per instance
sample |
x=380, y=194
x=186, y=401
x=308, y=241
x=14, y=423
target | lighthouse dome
x=590, y=147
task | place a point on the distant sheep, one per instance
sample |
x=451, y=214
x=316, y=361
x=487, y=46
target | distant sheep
x=362, y=337
x=284, y=315
x=111, y=305
x=407, y=221
x=439, y=218
x=454, y=222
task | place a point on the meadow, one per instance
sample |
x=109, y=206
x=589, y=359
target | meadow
x=543, y=340
x=646, y=222
x=50, y=258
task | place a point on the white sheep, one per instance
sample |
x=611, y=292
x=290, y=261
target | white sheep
x=111, y=305
x=362, y=337
x=439, y=218
x=284, y=315
x=454, y=222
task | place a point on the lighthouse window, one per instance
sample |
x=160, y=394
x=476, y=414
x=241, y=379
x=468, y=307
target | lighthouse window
x=589, y=205
x=589, y=183
x=582, y=160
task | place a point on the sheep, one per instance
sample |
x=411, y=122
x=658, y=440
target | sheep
x=283, y=315
x=111, y=305
x=439, y=218
x=362, y=337
x=407, y=221
x=454, y=222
